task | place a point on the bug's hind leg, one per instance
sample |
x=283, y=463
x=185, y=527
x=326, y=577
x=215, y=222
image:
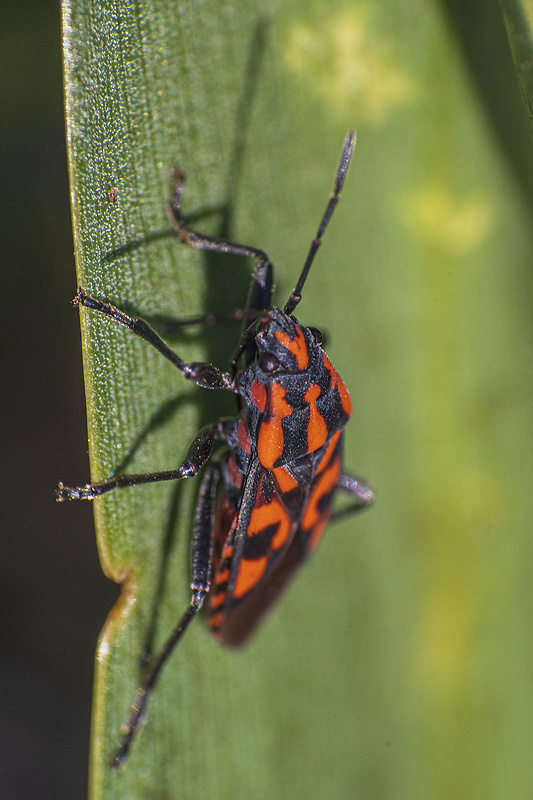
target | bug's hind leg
x=361, y=492
x=202, y=554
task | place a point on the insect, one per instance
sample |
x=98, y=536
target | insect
x=266, y=497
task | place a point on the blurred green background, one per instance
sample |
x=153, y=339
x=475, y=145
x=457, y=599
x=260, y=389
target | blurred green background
x=400, y=665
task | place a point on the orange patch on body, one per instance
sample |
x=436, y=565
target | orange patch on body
x=296, y=346
x=243, y=438
x=215, y=620
x=316, y=536
x=228, y=551
x=234, y=473
x=313, y=519
x=284, y=479
x=270, y=442
x=337, y=381
x=249, y=575
x=271, y=514
x=222, y=577
x=217, y=601
x=317, y=430
x=329, y=451
x=258, y=394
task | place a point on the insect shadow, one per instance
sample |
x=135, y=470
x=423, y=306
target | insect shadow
x=227, y=278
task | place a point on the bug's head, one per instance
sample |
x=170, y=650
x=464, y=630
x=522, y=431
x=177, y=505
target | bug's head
x=283, y=345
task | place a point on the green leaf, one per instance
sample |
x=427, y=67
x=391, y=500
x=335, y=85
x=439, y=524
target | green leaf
x=518, y=18
x=399, y=663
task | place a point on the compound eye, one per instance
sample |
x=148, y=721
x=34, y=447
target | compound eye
x=317, y=335
x=268, y=362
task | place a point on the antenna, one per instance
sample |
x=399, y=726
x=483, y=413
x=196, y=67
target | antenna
x=296, y=296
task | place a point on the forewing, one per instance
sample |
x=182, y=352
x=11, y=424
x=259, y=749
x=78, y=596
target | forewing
x=282, y=523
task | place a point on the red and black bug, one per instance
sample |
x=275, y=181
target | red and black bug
x=265, y=498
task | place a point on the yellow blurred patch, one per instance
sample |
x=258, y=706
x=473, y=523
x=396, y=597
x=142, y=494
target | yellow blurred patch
x=459, y=587
x=456, y=224
x=446, y=634
x=347, y=63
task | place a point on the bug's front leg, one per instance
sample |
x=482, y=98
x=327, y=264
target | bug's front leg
x=202, y=554
x=200, y=240
x=201, y=373
x=197, y=455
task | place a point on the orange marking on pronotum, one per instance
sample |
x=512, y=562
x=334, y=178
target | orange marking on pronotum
x=270, y=442
x=249, y=575
x=296, y=346
x=258, y=395
x=317, y=430
x=337, y=381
